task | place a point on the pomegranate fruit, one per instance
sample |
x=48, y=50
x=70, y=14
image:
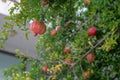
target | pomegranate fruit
x=68, y=61
x=87, y=2
x=53, y=32
x=66, y=50
x=58, y=28
x=44, y=68
x=67, y=24
x=86, y=74
x=44, y=3
x=38, y=27
x=90, y=57
x=92, y=31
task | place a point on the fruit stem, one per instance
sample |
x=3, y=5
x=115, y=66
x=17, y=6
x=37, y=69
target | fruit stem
x=35, y=34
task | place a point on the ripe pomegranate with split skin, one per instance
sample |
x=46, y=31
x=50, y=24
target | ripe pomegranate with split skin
x=38, y=27
x=92, y=31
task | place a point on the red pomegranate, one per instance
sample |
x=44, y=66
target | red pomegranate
x=86, y=74
x=58, y=28
x=68, y=61
x=87, y=2
x=38, y=27
x=53, y=32
x=67, y=50
x=92, y=31
x=90, y=57
x=44, y=68
x=44, y=3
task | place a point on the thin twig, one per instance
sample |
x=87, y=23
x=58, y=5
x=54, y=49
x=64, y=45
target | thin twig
x=80, y=59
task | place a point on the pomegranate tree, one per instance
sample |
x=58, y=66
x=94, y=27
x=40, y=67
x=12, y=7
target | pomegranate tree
x=81, y=41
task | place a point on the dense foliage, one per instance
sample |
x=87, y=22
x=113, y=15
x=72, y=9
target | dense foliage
x=85, y=47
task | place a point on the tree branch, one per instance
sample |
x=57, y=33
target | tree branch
x=80, y=59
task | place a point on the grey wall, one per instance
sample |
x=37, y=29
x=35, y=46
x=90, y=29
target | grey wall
x=19, y=41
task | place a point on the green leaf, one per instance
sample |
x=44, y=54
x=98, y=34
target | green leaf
x=27, y=35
